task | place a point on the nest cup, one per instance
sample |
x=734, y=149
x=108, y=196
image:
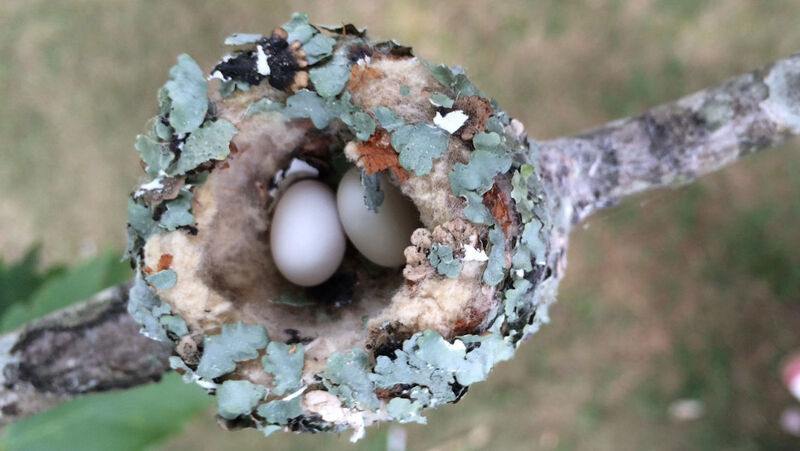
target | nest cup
x=370, y=343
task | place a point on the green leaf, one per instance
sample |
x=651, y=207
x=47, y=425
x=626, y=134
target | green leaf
x=348, y=377
x=133, y=419
x=20, y=280
x=243, y=38
x=331, y=78
x=388, y=119
x=441, y=258
x=307, y=104
x=237, y=398
x=187, y=88
x=236, y=343
x=418, y=145
x=210, y=142
x=495, y=267
x=64, y=289
x=285, y=362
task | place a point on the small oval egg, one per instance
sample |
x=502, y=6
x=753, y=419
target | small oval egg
x=381, y=237
x=306, y=237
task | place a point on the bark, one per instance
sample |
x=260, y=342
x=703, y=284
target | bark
x=87, y=348
x=675, y=143
x=95, y=346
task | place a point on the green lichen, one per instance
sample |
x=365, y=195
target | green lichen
x=285, y=362
x=236, y=343
x=387, y=118
x=163, y=280
x=243, y=38
x=330, y=79
x=280, y=411
x=441, y=258
x=210, y=142
x=418, y=146
x=495, y=267
x=262, y=106
x=238, y=398
x=373, y=194
x=348, y=377
x=186, y=89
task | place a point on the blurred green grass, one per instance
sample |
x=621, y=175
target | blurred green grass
x=685, y=293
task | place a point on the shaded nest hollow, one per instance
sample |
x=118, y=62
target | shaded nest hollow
x=369, y=343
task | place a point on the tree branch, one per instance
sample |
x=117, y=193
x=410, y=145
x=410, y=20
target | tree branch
x=89, y=347
x=677, y=142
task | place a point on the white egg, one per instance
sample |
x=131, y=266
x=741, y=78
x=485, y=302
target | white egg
x=306, y=237
x=381, y=237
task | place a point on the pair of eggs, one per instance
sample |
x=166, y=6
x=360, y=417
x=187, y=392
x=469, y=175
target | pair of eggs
x=310, y=228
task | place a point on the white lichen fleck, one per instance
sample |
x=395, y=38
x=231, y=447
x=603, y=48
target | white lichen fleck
x=451, y=121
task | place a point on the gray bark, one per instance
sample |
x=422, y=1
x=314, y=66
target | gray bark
x=86, y=348
x=677, y=142
x=95, y=346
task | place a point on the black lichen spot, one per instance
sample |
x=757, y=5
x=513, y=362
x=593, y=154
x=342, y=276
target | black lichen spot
x=242, y=67
x=294, y=337
x=282, y=61
x=283, y=64
x=309, y=423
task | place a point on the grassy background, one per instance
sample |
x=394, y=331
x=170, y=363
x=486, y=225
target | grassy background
x=689, y=293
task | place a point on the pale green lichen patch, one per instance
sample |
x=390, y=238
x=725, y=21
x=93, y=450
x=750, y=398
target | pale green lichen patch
x=186, y=89
x=441, y=258
x=262, y=106
x=348, y=377
x=441, y=100
x=210, y=142
x=387, y=118
x=373, y=194
x=285, y=362
x=238, y=398
x=495, y=267
x=281, y=411
x=406, y=411
x=236, y=343
x=163, y=280
x=418, y=146
x=243, y=38
x=330, y=79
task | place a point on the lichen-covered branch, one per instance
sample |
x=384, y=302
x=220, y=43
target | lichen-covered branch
x=678, y=142
x=89, y=347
